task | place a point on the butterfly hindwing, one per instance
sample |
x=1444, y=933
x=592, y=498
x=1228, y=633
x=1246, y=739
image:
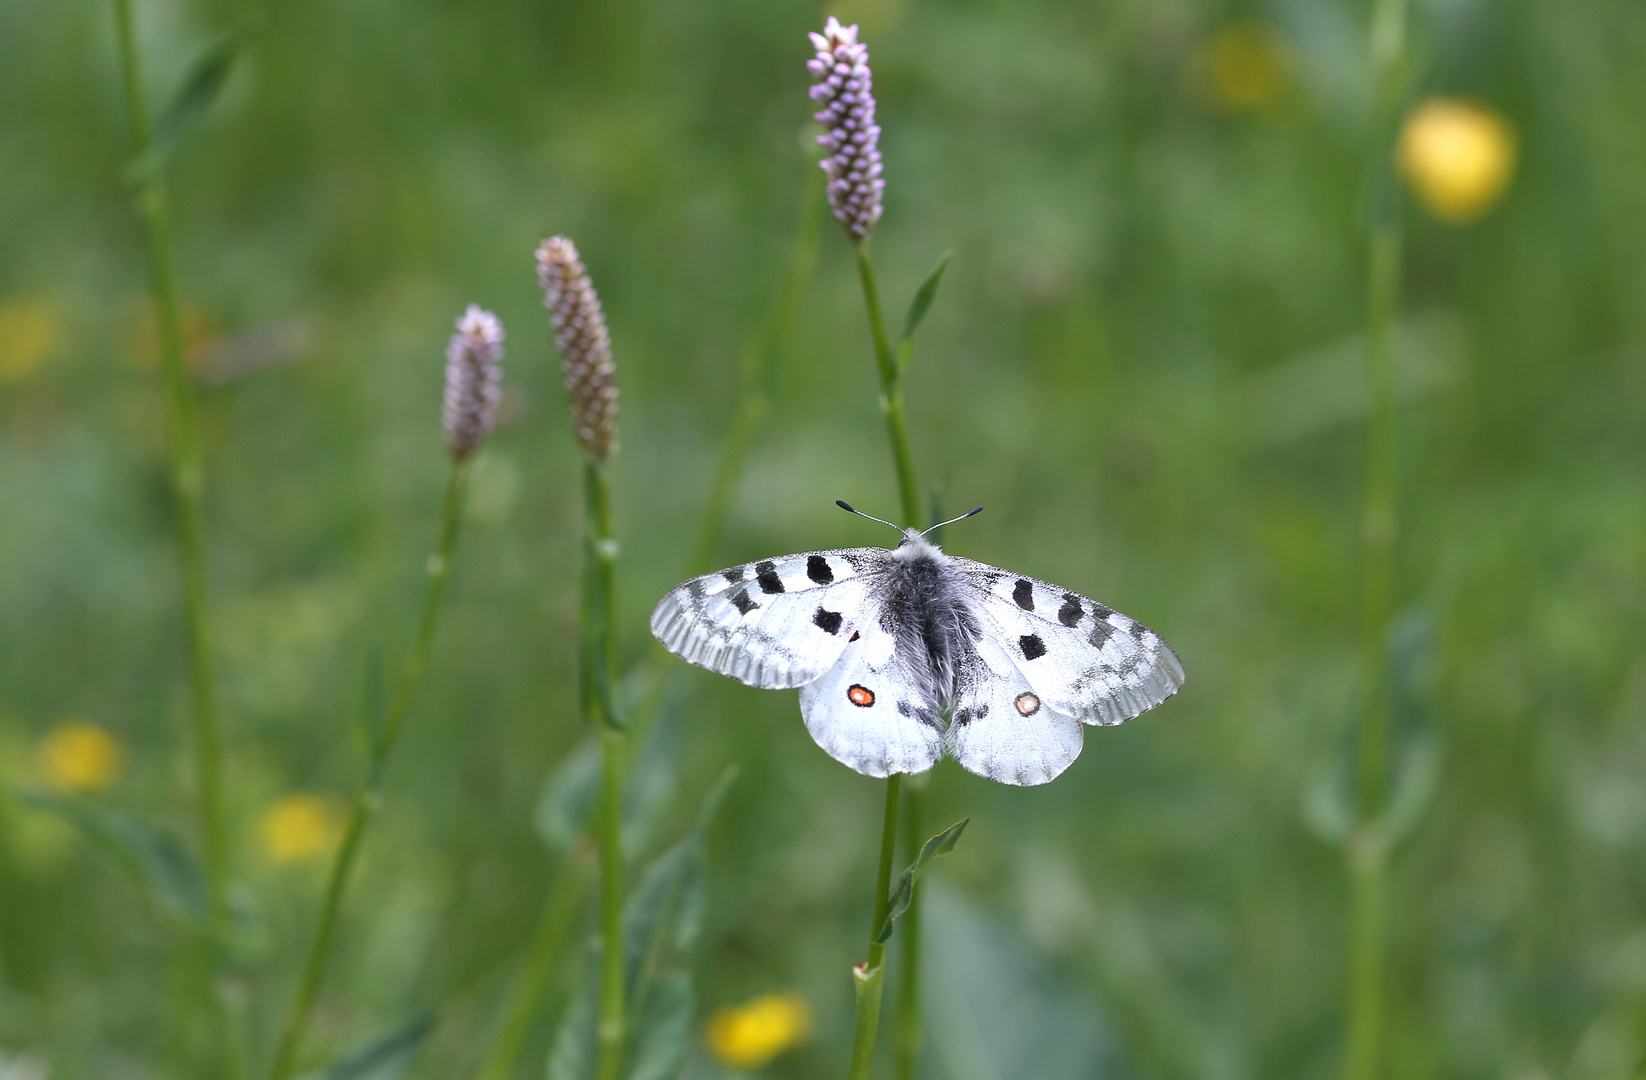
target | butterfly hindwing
x=868, y=714
x=1082, y=658
x=775, y=624
x=1000, y=728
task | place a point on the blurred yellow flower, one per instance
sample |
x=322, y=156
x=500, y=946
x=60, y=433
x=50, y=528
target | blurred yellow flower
x=1457, y=157
x=749, y=1035
x=1241, y=68
x=77, y=756
x=300, y=826
x=29, y=332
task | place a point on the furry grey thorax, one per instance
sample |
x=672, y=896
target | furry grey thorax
x=924, y=612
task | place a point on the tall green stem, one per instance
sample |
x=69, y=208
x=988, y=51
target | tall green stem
x=187, y=475
x=368, y=795
x=906, y=1021
x=1366, y=852
x=599, y=651
x=891, y=390
x=761, y=351
x=870, y=976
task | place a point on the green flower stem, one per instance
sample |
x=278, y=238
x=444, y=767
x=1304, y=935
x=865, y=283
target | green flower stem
x=526, y=994
x=870, y=976
x=187, y=476
x=753, y=407
x=599, y=655
x=368, y=796
x=891, y=390
x=906, y=1022
x=1366, y=854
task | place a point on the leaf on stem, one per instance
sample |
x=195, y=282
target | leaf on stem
x=918, y=307
x=163, y=867
x=385, y=1058
x=201, y=85
x=903, y=891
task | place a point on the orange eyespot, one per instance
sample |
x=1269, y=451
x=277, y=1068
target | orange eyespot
x=861, y=696
x=1027, y=704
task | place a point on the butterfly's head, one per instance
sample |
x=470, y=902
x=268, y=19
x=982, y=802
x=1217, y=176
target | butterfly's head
x=914, y=543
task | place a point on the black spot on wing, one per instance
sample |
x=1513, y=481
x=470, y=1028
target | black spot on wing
x=981, y=712
x=905, y=709
x=1023, y=593
x=1101, y=633
x=734, y=574
x=1032, y=646
x=742, y=601
x=827, y=621
x=962, y=717
x=766, y=574
x=817, y=568
x=694, y=588
x=1069, y=613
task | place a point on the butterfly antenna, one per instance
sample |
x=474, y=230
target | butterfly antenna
x=850, y=509
x=951, y=521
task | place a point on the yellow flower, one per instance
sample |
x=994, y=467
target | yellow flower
x=300, y=827
x=29, y=333
x=1241, y=68
x=749, y=1035
x=77, y=756
x=1457, y=157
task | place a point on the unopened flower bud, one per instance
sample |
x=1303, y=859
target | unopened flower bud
x=474, y=378
x=585, y=346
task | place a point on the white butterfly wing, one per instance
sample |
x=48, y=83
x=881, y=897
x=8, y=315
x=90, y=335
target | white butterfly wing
x=867, y=714
x=1082, y=658
x=1001, y=728
x=774, y=624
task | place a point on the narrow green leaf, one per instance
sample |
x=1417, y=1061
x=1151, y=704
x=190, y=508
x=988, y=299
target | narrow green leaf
x=385, y=1058
x=663, y=1028
x=567, y=799
x=201, y=85
x=918, y=307
x=161, y=864
x=903, y=891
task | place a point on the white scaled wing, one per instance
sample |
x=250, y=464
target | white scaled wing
x=774, y=624
x=1001, y=728
x=1081, y=658
x=867, y=714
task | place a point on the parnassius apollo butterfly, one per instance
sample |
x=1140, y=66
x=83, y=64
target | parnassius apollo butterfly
x=905, y=654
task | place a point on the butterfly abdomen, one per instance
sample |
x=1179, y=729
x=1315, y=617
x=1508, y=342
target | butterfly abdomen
x=924, y=611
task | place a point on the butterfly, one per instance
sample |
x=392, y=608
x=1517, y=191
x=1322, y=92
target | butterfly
x=903, y=655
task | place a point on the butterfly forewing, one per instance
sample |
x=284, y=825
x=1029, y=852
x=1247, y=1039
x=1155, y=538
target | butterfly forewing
x=775, y=624
x=1082, y=658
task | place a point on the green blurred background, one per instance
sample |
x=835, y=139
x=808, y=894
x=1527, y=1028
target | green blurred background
x=1144, y=364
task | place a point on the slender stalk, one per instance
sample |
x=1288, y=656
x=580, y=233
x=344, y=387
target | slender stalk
x=599, y=704
x=761, y=351
x=906, y=1021
x=891, y=389
x=1366, y=853
x=187, y=475
x=368, y=796
x=871, y=975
